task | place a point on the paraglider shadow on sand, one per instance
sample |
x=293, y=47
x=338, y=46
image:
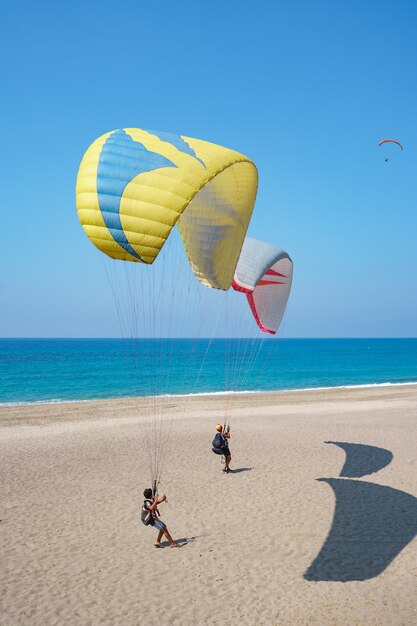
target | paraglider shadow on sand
x=371, y=525
x=362, y=459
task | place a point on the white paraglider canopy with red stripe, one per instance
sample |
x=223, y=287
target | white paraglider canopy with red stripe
x=264, y=274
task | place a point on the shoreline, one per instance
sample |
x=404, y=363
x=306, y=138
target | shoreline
x=203, y=394
x=172, y=407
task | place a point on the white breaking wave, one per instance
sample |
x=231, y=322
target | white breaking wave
x=213, y=393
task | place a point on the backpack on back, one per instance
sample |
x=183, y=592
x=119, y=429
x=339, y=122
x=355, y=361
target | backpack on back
x=219, y=446
x=145, y=514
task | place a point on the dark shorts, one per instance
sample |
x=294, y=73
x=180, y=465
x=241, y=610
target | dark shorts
x=157, y=523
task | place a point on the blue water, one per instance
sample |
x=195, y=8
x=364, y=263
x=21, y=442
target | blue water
x=39, y=370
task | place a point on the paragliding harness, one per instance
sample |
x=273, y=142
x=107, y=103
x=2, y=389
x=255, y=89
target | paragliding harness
x=219, y=444
x=146, y=516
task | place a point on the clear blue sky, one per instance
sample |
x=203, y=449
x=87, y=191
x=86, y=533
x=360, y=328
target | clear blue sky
x=306, y=89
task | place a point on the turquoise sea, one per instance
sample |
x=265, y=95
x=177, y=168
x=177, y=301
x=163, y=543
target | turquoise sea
x=54, y=370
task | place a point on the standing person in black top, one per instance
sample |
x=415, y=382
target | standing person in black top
x=220, y=445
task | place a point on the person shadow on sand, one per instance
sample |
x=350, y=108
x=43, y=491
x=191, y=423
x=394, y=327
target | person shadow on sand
x=372, y=523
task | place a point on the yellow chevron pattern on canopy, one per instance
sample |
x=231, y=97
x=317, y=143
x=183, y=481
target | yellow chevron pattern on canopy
x=134, y=185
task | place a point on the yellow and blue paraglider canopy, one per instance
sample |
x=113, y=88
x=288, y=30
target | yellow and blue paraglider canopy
x=134, y=185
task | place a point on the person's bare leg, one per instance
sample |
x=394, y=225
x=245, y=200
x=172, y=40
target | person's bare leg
x=228, y=459
x=168, y=536
x=158, y=541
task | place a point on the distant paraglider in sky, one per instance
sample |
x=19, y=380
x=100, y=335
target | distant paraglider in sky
x=394, y=141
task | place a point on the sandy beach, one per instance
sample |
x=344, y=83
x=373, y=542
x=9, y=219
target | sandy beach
x=303, y=532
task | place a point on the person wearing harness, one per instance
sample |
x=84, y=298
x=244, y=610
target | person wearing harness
x=220, y=445
x=150, y=514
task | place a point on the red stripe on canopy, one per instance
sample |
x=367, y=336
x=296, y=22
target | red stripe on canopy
x=269, y=282
x=251, y=301
x=238, y=287
x=272, y=272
